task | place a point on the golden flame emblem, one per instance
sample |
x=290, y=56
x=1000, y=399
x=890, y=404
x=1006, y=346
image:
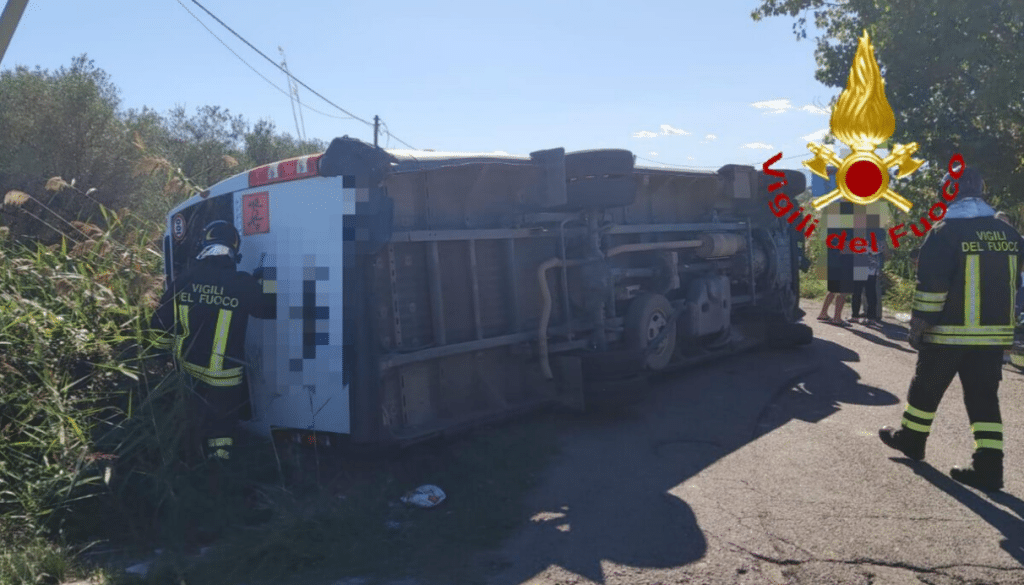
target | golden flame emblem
x=862, y=119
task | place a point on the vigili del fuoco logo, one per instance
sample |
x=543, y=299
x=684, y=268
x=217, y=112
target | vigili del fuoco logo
x=862, y=119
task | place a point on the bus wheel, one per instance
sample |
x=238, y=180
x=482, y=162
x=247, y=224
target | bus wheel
x=648, y=315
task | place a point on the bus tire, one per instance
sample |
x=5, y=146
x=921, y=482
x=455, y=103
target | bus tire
x=647, y=316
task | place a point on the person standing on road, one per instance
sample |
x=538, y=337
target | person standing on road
x=204, y=314
x=869, y=288
x=840, y=301
x=962, y=320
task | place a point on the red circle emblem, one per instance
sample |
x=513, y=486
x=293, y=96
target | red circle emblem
x=863, y=178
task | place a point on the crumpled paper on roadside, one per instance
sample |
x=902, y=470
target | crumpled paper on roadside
x=425, y=496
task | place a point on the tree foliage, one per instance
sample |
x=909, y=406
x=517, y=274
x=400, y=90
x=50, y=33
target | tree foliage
x=63, y=123
x=68, y=123
x=954, y=74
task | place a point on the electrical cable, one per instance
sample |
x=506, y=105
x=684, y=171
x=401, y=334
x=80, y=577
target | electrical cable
x=688, y=167
x=694, y=167
x=275, y=86
x=297, y=80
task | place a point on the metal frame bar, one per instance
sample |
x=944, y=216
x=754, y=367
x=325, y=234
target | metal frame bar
x=396, y=321
x=544, y=232
x=394, y=360
x=675, y=227
x=475, y=285
x=750, y=263
x=436, y=298
x=513, y=279
x=564, y=273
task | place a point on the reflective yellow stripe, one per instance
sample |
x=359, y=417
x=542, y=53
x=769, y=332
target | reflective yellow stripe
x=967, y=339
x=988, y=444
x=182, y=311
x=931, y=297
x=916, y=426
x=220, y=340
x=979, y=330
x=972, y=314
x=919, y=413
x=221, y=442
x=214, y=380
x=230, y=377
x=989, y=427
x=1013, y=288
x=928, y=306
x=231, y=372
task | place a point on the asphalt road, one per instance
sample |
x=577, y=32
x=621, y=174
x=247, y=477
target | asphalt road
x=767, y=468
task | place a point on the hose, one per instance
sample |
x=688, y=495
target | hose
x=545, y=292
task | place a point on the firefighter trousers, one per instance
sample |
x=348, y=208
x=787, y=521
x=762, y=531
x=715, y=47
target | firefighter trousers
x=980, y=371
x=215, y=413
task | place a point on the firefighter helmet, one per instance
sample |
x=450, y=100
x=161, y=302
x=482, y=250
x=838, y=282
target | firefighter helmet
x=970, y=180
x=220, y=233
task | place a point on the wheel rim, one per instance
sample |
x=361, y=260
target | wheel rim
x=655, y=325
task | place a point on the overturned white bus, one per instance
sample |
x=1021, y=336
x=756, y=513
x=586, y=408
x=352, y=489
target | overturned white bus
x=423, y=292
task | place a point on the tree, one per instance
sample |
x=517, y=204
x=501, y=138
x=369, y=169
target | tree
x=67, y=124
x=263, y=146
x=954, y=75
x=64, y=123
x=207, y=145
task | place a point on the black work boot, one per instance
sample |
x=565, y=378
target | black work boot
x=910, y=443
x=985, y=472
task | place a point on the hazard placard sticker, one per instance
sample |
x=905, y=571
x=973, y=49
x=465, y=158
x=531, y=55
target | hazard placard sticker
x=256, y=213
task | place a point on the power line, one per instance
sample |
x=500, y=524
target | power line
x=297, y=80
x=274, y=85
x=802, y=155
x=690, y=167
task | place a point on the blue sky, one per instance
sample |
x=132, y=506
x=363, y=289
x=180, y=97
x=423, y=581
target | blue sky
x=691, y=83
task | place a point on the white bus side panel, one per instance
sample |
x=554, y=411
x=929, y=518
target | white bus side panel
x=295, y=360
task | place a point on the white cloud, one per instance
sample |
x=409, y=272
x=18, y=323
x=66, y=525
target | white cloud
x=710, y=137
x=666, y=129
x=689, y=158
x=652, y=153
x=644, y=134
x=758, y=145
x=816, y=110
x=773, y=106
x=816, y=136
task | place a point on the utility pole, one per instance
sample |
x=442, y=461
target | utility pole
x=376, y=128
x=9, y=22
x=293, y=94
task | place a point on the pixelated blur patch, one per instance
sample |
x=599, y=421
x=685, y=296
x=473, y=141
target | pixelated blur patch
x=256, y=213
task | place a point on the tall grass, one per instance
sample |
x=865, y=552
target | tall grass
x=73, y=319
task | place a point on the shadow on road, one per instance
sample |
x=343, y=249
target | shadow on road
x=895, y=336
x=1011, y=525
x=608, y=499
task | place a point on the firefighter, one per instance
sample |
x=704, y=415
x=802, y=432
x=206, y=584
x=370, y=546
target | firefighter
x=203, y=314
x=962, y=320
